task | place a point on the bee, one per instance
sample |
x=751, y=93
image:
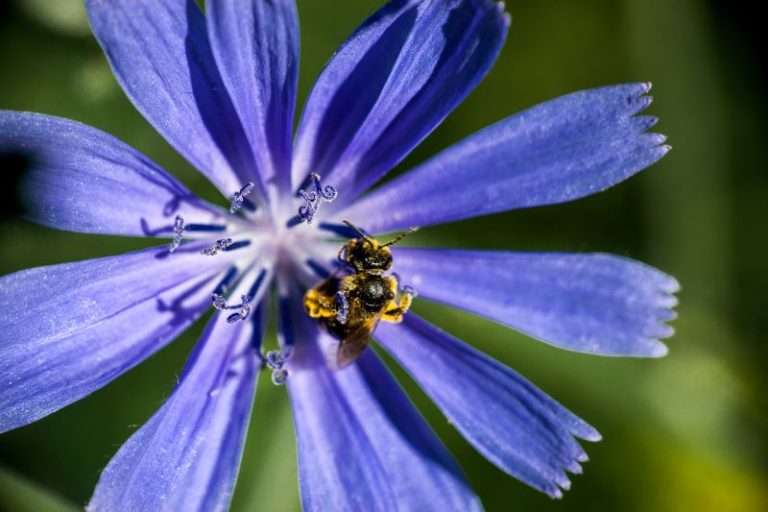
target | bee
x=349, y=307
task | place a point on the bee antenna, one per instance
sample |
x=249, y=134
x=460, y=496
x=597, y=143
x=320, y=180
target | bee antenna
x=356, y=229
x=401, y=236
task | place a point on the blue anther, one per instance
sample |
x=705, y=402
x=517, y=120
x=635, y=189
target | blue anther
x=237, y=245
x=318, y=269
x=256, y=287
x=206, y=228
x=342, y=230
x=224, y=283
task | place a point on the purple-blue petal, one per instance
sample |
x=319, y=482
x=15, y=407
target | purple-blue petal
x=564, y=149
x=186, y=457
x=160, y=53
x=390, y=84
x=508, y=420
x=69, y=329
x=79, y=178
x=361, y=444
x=596, y=303
x=256, y=45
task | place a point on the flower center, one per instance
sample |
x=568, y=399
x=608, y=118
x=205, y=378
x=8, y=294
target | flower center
x=267, y=247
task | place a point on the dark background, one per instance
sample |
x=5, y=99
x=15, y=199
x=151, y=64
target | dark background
x=687, y=432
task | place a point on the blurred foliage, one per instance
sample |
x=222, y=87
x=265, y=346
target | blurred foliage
x=687, y=432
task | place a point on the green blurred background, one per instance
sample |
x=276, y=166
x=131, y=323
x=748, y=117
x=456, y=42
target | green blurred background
x=687, y=432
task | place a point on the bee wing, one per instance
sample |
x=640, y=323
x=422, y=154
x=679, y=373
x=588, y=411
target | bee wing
x=354, y=344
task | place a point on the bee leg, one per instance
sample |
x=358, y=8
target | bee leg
x=394, y=313
x=319, y=305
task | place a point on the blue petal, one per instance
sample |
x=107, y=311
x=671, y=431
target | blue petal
x=507, y=419
x=256, y=45
x=69, y=329
x=160, y=53
x=186, y=457
x=81, y=179
x=361, y=444
x=596, y=303
x=390, y=84
x=561, y=150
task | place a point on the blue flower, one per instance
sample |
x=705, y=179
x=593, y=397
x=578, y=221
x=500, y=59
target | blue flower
x=221, y=89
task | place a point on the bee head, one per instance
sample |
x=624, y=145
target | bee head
x=366, y=255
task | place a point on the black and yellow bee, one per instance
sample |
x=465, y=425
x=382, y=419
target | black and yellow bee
x=350, y=306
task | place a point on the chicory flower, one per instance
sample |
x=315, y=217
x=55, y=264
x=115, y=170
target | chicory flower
x=221, y=89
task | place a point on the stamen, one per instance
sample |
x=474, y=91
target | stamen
x=219, y=300
x=220, y=245
x=178, y=233
x=342, y=307
x=313, y=198
x=279, y=377
x=238, y=199
x=245, y=310
x=275, y=359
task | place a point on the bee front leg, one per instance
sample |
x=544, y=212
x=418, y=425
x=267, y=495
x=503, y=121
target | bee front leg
x=395, y=311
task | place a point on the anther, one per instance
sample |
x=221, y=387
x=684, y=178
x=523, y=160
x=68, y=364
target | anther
x=313, y=198
x=221, y=288
x=342, y=307
x=178, y=233
x=210, y=228
x=238, y=199
x=237, y=245
x=220, y=245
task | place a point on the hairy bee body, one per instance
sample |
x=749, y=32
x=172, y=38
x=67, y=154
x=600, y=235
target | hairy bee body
x=349, y=307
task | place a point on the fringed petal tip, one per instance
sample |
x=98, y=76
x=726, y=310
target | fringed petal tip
x=658, y=327
x=505, y=18
x=558, y=151
x=592, y=303
x=639, y=100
